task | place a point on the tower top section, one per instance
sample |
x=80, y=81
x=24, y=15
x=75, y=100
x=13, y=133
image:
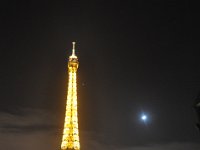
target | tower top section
x=73, y=60
x=73, y=51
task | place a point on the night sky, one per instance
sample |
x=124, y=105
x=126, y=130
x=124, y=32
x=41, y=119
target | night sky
x=136, y=57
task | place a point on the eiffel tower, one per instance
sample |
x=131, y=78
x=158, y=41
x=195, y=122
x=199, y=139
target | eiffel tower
x=70, y=138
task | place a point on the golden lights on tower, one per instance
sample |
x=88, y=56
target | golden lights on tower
x=70, y=138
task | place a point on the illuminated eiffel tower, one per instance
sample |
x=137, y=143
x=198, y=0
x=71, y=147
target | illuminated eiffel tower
x=70, y=138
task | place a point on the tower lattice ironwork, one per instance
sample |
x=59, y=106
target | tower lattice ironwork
x=70, y=138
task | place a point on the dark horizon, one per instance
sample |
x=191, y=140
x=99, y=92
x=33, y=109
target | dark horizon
x=136, y=58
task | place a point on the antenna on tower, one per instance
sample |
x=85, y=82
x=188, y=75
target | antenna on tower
x=73, y=49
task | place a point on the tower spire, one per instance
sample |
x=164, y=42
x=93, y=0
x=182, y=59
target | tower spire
x=73, y=49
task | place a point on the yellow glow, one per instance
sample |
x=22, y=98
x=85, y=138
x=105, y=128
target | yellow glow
x=70, y=139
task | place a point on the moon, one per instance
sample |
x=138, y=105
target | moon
x=144, y=117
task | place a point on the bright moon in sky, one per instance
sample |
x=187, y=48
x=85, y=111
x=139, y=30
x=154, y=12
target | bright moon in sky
x=144, y=117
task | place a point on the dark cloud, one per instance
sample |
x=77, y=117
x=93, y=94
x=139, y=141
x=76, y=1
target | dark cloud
x=93, y=140
x=38, y=129
x=31, y=118
x=169, y=146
